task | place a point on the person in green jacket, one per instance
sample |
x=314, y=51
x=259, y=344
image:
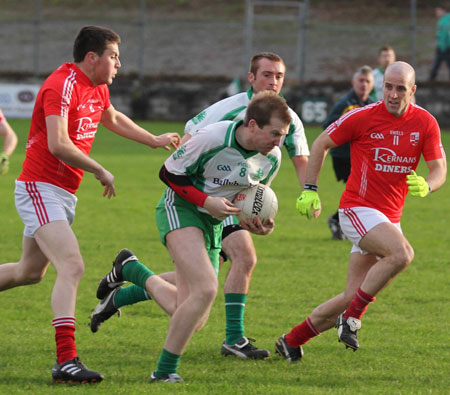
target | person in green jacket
x=443, y=42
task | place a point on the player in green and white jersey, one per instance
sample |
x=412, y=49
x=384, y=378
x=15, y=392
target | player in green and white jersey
x=202, y=176
x=386, y=56
x=219, y=166
x=266, y=74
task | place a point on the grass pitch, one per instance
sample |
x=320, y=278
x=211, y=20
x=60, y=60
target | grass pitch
x=405, y=335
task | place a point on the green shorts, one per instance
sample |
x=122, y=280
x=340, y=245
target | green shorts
x=173, y=212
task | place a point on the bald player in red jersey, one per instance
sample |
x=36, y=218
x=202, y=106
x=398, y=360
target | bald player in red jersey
x=69, y=107
x=387, y=139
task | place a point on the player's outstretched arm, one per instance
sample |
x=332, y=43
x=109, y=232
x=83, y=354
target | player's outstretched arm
x=120, y=124
x=319, y=150
x=308, y=203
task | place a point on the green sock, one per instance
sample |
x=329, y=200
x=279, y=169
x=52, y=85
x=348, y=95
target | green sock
x=168, y=363
x=130, y=295
x=234, y=311
x=136, y=273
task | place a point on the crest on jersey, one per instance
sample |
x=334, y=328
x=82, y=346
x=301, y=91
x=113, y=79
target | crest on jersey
x=414, y=138
x=199, y=117
x=258, y=175
x=179, y=152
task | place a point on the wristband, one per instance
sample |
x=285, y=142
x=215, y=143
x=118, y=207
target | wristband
x=310, y=187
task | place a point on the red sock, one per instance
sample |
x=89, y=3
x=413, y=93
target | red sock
x=301, y=333
x=65, y=338
x=359, y=304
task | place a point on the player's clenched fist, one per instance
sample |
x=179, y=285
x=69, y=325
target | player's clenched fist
x=417, y=185
x=309, y=202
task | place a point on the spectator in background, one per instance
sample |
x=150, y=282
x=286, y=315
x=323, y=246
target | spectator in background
x=9, y=145
x=443, y=42
x=386, y=56
x=358, y=96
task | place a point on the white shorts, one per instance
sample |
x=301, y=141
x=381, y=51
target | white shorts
x=356, y=222
x=39, y=203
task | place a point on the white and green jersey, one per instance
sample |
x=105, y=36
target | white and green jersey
x=217, y=165
x=233, y=109
x=378, y=77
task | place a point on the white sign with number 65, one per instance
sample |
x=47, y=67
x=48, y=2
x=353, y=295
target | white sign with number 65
x=314, y=111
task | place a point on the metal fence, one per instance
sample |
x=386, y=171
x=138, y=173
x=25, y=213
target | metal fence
x=37, y=35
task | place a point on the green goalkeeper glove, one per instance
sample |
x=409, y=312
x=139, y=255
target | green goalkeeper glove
x=4, y=163
x=417, y=185
x=309, y=198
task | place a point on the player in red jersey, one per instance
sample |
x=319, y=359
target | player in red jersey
x=71, y=103
x=9, y=145
x=387, y=139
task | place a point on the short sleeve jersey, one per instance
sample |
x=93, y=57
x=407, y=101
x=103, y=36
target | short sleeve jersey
x=233, y=109
x=217, y=165
x=384, y=149
x=68, y=93
x=2, y=117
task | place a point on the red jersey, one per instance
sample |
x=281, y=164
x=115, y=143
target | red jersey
x=2, y=117
x=384, y=149
x=69, y=93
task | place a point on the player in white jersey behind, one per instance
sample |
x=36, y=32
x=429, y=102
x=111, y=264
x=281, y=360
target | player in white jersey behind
x=266, y=73
x=386, y=56
x=387, y=140
x=203, y=176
